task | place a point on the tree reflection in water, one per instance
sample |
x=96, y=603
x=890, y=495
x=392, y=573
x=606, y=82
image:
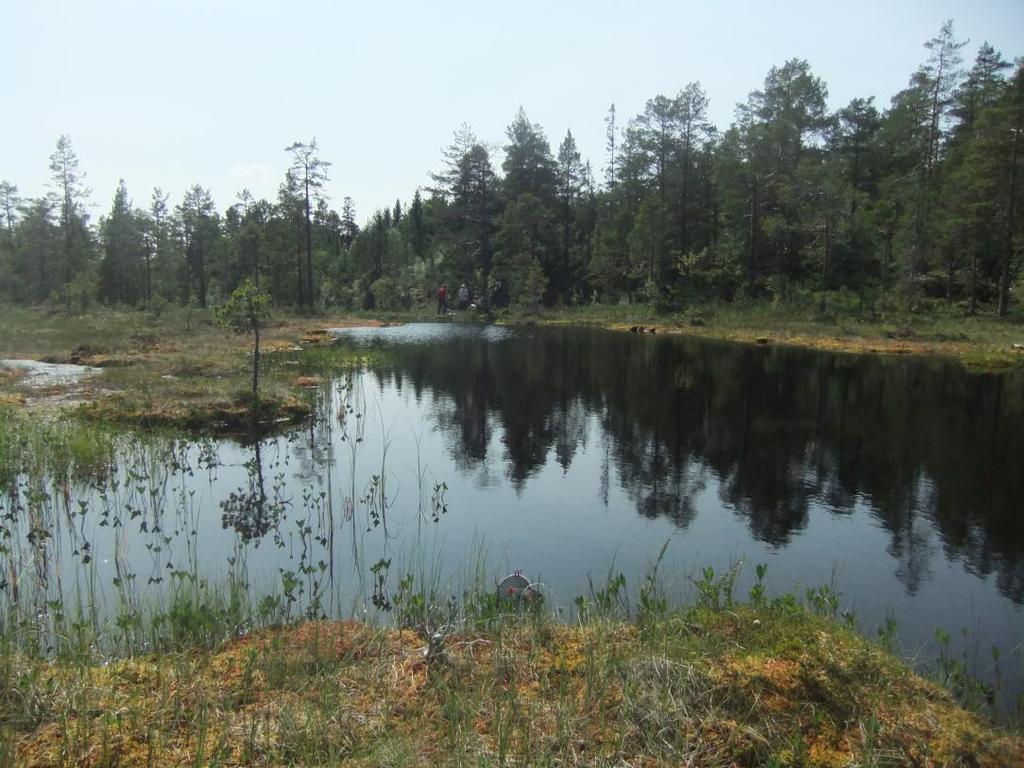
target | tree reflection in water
x=924, y=444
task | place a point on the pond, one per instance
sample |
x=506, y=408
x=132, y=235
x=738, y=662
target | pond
x=460, y=452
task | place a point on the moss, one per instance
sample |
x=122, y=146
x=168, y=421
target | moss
x=742, y=687
x=183, y=373
x=240, y=415
x=983, y=343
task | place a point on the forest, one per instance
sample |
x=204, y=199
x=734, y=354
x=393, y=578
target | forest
x=913, y=203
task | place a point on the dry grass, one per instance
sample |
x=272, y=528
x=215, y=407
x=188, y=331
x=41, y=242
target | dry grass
x=713, y=689
x=978, y=342
x=179, y=370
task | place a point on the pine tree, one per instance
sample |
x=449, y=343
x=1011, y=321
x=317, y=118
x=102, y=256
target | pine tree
x=969, y=203
x=569, y=191
x=789, y=121
x=9, y=202
x=524, y=239
x=695, y=131
x=468, y=192
x=854, y=145
x=37, y=240
x=528, y=165
x=291, y=217
x=611, y=167
x=69, y=194
x=418, y=229
x=447, y=182
x=349, y=227
x=8, y=218
x=655, y=135
x=1012, y=106
x=199, y=230
x=247, y=310
x=979, y=90
x=936, y=80
x=310, y=174
x=122, y=266
x=159, y=260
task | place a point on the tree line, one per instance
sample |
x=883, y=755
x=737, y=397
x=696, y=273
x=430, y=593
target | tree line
x=919, y=200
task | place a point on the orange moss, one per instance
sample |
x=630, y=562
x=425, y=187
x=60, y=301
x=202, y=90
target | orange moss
x=987, y=355
x=343, y=688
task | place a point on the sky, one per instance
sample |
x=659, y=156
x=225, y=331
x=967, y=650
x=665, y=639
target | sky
x=172, y=94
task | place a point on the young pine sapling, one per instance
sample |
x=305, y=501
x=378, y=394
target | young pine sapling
x=247, y=310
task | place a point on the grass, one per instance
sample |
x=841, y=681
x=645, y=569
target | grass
x=50, y=446
x=178, y=370
x=836, y=322
x=205, y=673
x=213, y=674
x=764, y=685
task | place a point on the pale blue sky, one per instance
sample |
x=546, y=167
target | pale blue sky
x=175, y=93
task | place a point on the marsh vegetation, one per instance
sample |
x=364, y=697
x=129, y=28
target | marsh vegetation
x=712, y=524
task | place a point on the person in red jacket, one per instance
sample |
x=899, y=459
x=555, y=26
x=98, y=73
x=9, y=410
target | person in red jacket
x=442, y=299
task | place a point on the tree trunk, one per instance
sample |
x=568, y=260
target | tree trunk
x=149, y=274
x=1004, y=278
x=186, y=288
x=202, y=278
x=566, y=234
x=256, y=362
x=826, y=270
x=67, y=268
x=887, y=256
x=752, y=255
x=714, y=224
x=302, y=293
x=684, y=198
x=309, y=250
x=974, y=281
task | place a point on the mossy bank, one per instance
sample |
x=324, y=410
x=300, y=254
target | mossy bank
x=836, y=325
x=747, y=686
x=178, y=370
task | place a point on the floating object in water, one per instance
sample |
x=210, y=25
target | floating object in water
x=517, y=588
x=761, y=339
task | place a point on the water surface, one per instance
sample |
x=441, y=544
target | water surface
x=572, y=454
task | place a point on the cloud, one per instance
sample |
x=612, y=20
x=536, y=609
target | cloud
x=254, y=176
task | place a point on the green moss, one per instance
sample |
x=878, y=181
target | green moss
x=981, y=342
x=241, y=414
x=744, y=686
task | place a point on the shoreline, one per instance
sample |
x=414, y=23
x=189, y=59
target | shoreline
x=769, y=682
x=178, y=370
x=994, y=346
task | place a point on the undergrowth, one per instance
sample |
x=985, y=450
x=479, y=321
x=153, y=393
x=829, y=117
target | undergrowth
x=477, y=679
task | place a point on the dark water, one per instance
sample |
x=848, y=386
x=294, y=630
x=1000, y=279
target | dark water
x=898, y=480
x=572, y=453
